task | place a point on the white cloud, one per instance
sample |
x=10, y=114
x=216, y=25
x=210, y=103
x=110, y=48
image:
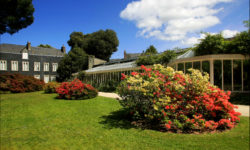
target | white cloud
x=172, y=19
x=229, y=33
x=191, y=41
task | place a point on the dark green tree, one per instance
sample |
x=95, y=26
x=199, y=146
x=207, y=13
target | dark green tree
x=148, y=60
x=77, y=39
x=64, y=70
x=163, y=58
x=76, y=60
x=45, y=46
x=15, y=15
x=102, y=44
x=240, y=44
x=151, y=50
x=212, y=44
x=166, y=56
x=79, y=59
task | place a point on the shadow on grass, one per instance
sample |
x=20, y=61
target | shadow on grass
x=64, y=99
x=117, y=119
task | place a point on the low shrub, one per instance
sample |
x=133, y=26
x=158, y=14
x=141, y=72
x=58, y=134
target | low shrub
x=108, y=86
x=76, y=90
x=17, y=83
x=51, y=87
x=171, y=100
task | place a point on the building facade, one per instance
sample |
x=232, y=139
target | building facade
x=41, y=63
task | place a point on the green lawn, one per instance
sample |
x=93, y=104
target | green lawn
x=39, y=121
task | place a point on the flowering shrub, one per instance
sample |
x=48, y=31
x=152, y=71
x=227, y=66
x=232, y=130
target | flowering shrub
x=51, y=87
x=175, y=101
x=76, y=90
x=17, y=83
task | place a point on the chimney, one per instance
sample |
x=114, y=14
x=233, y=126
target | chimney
x=125, y=54
x=28, y=46
x=91, y=61
x=63, y=49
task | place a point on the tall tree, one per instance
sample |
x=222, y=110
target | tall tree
x=77, y=39
x=101, y=44
x=76, y=60
x=212, y=44
x=151, y=50
x=64, y=70
x=240, y=44
x=15, y=15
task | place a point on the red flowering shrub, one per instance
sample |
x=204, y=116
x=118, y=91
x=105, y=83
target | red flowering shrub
x=17, y=83
x=176, y=101
x=76, y=90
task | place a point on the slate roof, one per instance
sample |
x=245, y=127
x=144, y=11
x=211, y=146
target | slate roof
x=133, y=55
x=17, y=49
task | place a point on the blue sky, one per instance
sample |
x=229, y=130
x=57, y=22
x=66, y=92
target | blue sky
x=163, y=23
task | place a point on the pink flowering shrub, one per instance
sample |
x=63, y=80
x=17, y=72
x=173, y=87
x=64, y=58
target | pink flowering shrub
x=176, y=101
x=76, y=90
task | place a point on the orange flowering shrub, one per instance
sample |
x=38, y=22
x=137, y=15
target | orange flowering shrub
x=51, y=87
x=76, y=90
x=177, y=101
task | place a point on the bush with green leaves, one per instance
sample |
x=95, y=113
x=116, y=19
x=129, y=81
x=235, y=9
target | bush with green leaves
x=51, y=87
x=151, y=59
x=175, y=101
x=108, y=86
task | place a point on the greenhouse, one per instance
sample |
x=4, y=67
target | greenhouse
x=109, y=71
x=227, y=71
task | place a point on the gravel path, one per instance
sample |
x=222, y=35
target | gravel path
x=243, y=109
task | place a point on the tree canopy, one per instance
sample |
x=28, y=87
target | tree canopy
x=212, y=44
x=45, y=46
x=15, y=15
x=76, y=60
x=151, y=50
x=163, y=58
x=216, y=44
x=102, y=44
x=240, y=44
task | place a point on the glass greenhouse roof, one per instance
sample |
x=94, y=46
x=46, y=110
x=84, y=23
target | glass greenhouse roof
x=188, y=54
x=113, y=67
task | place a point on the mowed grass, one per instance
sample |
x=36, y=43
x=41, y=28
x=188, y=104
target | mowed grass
x=39, y=121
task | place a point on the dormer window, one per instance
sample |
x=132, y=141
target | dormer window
x=25, y=56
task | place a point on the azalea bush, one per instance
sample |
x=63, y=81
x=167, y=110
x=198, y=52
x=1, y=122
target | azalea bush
x=17, y=83
x=51, y=87
x=76, y=90
x=176, y=101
